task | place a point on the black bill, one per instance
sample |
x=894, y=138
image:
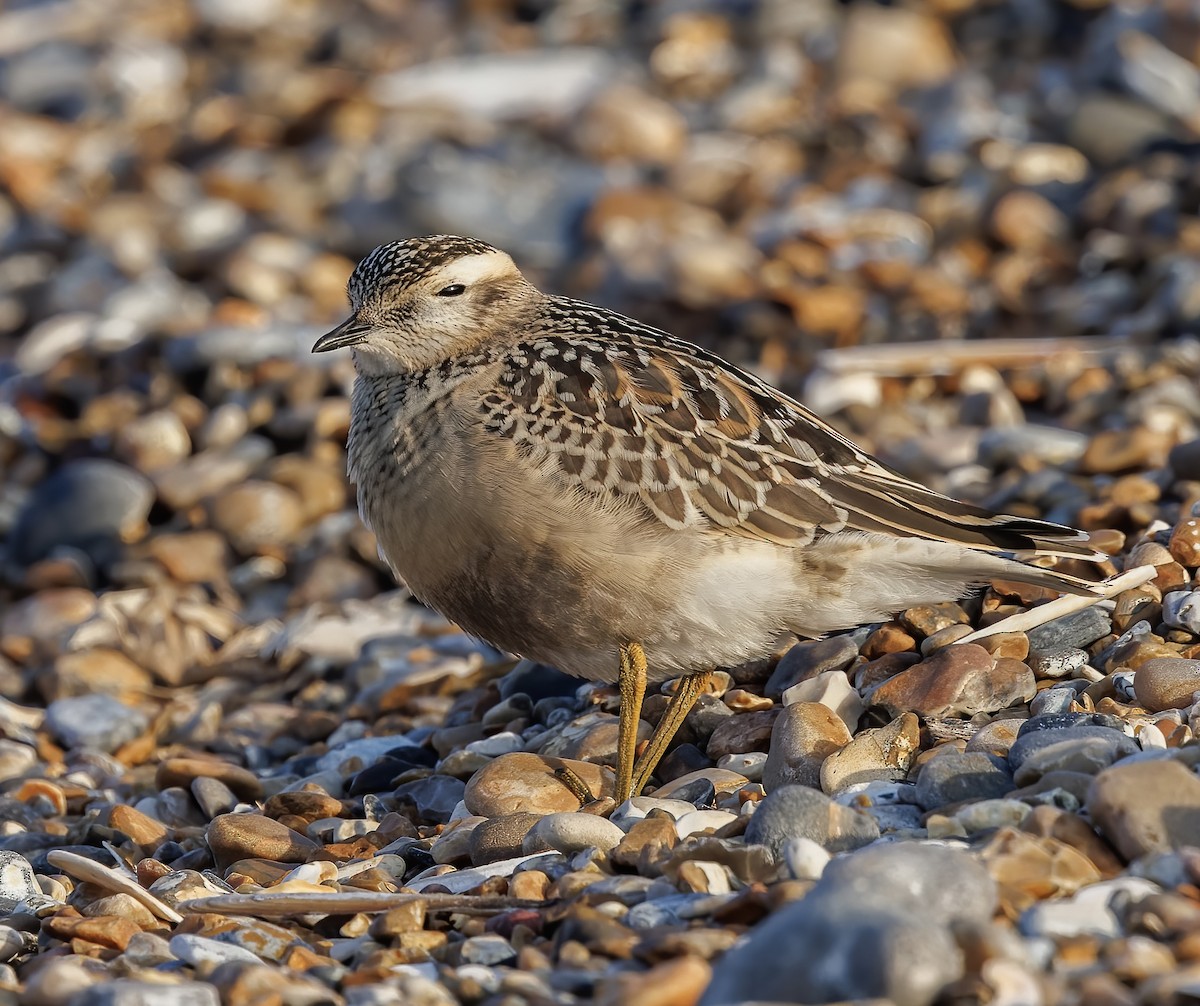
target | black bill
x=349, y=333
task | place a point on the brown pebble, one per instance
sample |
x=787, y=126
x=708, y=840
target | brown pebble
x=406, y=918
x=181, y=771
x=305, y=805
x=106, y=930
x=1185, y=542
x=1148, y=806
x=678, y=982
x=963, y=679
x=645, y=845
x=249, y=836
x=528, y=782
x=1014, y=645
x=528, y=885
x=1167, y=683
x=742, y=732
x=144, y=830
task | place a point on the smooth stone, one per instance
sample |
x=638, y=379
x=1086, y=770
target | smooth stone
x=569, y=833
x=1058, y=663
x=94, y=722
x=743, y=732
x=958, y=680
x=722, y=780
x=1051, y=701
x=498, y=838
x=1146, y=806
x=1030, y=742
x=214, y=797
x=800, y=812
x=489, y=949
x=995, y=737
x=251, y=836
x=832, y=689
x=809, y=658
x=538, y=681
x=805, y=859
x=130, y=992
x=1166, y=683
x=1077, y=630
x=200, y=951
x=591, y=737
x=1088, y=755
x=528, y=782
x=884, y=753
x=751, y=764
x=184, y=771
x=1088, y=912
x=646, y=844
x=17, y=881
x=804, y=735
x=435, y=796
x=956, y=776
x=627, y=814
x=94, y=505
x=703, y=820
x=877, y=924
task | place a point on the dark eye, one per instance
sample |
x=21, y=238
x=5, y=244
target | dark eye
x=453, y=290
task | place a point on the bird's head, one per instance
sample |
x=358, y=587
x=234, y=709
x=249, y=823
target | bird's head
x=419, y=302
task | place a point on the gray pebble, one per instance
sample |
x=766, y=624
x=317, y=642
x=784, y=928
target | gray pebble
x=213, y=796
x=95, y=722
x=128, y=992
x=799, y=812
x=489, y=950
x=957, y=776
x=808, y=659
x=1059, y=663
x=893, y=906
x=1181, y=609
x=1075, y=630
x=201, y=950
x=89, y=505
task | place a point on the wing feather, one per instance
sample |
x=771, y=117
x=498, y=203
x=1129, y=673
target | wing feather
x=634, y=412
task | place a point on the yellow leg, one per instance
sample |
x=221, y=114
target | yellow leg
x=677, y=709
x=632, y=682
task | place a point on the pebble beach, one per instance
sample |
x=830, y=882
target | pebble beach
x=241, y=766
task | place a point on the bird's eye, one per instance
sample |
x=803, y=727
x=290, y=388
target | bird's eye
x=453, y=290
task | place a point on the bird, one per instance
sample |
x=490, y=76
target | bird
x=578, y=488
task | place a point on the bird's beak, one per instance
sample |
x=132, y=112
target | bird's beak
x=349, y=333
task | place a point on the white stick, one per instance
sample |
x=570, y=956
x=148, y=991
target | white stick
x=1065, y=605
x=82, y=868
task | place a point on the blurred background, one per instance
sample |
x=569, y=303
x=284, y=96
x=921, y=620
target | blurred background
x=807, y=187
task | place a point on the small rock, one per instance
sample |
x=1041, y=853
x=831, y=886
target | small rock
x=94, y=505
x=963, y=680
x=183, y=772
x=258, y=516
x=893, y=905
x=809, y=658
x=1146, y=806
x=96, y=722
x=501, y=838
x=743, y=732
x=527, y=782
x=832, y=689
x=957, y=776
x=17, y=881
x=884, y=753
x=800, y=812
x=1078, y=630
x=804, y=735
x=645, y=844
x=572, y=832
x=251, y=836
x=1167, y=683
